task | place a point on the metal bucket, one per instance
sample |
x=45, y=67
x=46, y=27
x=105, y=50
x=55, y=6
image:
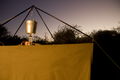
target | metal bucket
x=31, y=26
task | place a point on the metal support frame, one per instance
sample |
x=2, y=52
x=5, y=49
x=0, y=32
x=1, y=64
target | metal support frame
x=23, y=20
x=109, y=57
x=44, y=22
x=63, y=22
x=16, y=15
x=30, y=9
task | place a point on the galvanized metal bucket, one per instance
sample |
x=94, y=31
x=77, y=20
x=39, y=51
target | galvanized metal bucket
x=31, y=26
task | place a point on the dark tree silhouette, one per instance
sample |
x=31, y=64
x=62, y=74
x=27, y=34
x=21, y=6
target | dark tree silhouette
x=3, y=34
x=68, y=35
x=7, y=39
x=39, y=40
x=102, y=67
x=3, y=31
x=65, y=35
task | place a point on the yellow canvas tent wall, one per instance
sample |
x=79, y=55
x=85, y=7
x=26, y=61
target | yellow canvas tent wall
x=46, y=62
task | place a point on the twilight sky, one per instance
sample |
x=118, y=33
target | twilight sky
x=90, y=14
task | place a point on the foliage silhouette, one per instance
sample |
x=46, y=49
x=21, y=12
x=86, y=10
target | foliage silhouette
x=3, y=34
x=65, y=35
x=3, y=31
x=7, y=39
x=68, y=35
x=102, y=67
